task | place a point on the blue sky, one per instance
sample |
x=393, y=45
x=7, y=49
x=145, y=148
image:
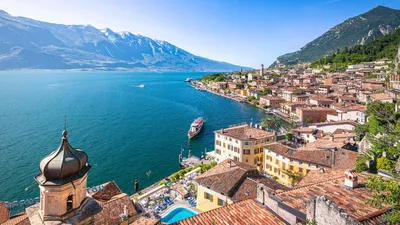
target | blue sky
x=246, y=32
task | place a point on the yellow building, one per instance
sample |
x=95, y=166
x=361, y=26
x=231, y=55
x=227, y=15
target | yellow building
x=241, y=143
x=289, y=165
x=230, y=182
x=243, y=93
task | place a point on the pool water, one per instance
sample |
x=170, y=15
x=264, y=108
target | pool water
x=177, y=214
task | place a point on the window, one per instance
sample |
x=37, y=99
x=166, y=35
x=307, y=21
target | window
x=277, y=161
x=218, y=151
x=283, y=165
x=230, y=139
x=220, y=202
x=69, y=203
x=291, y=167
x=261, y=150
x=300, y=170
x=246, y=151
x=208, y=196
x=236, y=158
x=256, y=151
x=218, y=143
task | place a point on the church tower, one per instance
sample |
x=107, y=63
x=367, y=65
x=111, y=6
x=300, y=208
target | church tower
x=262, y=70
x=62, y=182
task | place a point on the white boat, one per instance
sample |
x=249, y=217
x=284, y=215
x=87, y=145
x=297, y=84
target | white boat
x=189, y=79
x=142, y=86
x=195, y=127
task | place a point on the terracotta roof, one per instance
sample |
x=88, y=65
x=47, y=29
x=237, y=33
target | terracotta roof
x=381, y=96
x=318, y=176
x=225, y=176
x=21, y=219
x=245, y=132
x=145, y=221
x=352, y=201
x=334, y=123
x=339, y=140
x=4, y=213
x=339, y=159
x=247, y=212
x=110, y=190
x=248, y=188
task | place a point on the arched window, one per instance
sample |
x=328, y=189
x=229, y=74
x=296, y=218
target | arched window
x=69, y=203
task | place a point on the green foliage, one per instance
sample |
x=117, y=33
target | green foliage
x=216, y=77
x=386, y=164
x=252, y=98
x=308, y=120
x=361, y=130
x=266, y=91
x=289, y=136
x=163, y=182
x=310, y=222
x=386, y=191
x=383, y=47
x=270, y=123
x=361, y=165
x=321, y=120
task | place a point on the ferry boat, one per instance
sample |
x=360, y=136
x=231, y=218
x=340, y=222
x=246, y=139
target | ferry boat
x=195, y=127
x=142, y=86
x=189, y=79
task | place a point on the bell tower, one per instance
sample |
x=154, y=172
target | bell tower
x=62, y=181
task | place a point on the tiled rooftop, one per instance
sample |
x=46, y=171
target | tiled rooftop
x=245, y=132
x=247, y=212
x=339, y=159
x=4, y=213
x=353, y=201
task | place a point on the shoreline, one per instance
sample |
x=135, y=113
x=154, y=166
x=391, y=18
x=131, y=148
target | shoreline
x=287, y=120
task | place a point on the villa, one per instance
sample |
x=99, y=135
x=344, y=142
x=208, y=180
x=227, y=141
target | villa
x=229, y=182
x=242, y=143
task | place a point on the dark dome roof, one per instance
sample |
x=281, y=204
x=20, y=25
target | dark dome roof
x=63, y=165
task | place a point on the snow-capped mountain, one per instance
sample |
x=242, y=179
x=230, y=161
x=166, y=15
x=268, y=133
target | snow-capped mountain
x=32, y=44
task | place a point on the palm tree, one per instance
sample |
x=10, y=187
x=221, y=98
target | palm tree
x=270, y=123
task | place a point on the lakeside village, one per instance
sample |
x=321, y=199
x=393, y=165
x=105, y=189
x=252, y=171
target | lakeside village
x=338, y=164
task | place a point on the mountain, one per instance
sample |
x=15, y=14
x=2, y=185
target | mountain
x=32, y=44
x=357, y=30
x=384, y=47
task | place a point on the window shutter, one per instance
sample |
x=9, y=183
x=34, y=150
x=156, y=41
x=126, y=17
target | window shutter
x=205, y=195
x=211, y=198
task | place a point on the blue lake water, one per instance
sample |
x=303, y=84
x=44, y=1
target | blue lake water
x=126, y=130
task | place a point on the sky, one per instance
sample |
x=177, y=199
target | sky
x=245, y=32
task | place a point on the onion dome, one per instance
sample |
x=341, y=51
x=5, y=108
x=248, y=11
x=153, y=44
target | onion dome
x=63, y=165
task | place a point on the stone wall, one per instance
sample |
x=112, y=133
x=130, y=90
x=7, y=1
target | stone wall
x=325, y=212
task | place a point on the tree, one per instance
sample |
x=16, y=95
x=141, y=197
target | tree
x=266, y=91
x=386, y=191
x=308, y=120
x=270, y=123
x=289, y=136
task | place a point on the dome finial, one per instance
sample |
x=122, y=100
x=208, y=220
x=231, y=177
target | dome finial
x=64, y=133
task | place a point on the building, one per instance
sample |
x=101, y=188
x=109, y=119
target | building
x=216, y=86
x=242, y=143
x=313, y=114
x=240, y=213
x=288, y=165
x=353, y=112
x=271, y=101
x=332, y=126
x=373, y=85
x=320, y=101
x=381, y=97
x=64, y=198
x=327, y=199
x=306, y=134
x=289, y=108
x=230, y=182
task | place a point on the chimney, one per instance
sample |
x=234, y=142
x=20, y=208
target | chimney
x=321, y=170
x=331, y=137
x=350, y=180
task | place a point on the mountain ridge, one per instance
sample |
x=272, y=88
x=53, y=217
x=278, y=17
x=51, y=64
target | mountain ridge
x=359, y=29
x=24, y=42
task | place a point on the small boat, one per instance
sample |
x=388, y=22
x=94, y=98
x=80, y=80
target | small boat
x=195, y=127
x=142, y=86
x=189, y=79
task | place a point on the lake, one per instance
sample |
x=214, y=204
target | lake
x=126, y=130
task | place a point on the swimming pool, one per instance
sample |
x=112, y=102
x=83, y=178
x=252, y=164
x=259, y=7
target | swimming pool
x=177, y=214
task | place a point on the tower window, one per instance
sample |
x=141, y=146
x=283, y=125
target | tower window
x=69, y=203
